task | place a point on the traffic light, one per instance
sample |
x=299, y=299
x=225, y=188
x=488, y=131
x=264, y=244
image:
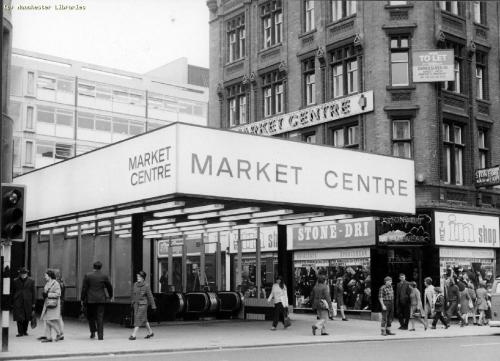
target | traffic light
x=13, y=215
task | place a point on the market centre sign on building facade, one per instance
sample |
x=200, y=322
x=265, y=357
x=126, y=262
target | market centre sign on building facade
x=336, y=109
x=187, y=159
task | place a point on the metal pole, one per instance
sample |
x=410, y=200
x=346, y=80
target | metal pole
x=218, y=264
x=258, y=279
x=5, y=269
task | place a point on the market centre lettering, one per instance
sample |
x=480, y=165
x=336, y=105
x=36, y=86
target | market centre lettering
x=150, y=166
x=286, y=173
x=316, y=233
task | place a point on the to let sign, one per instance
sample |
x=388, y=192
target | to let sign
x=433, y=65
x=487, y=176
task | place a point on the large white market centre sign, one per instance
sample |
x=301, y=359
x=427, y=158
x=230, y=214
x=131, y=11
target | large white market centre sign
x=186, y=159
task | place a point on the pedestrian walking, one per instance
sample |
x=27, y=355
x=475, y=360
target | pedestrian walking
x=386, y=299
x=439, y=306
x=464, y=306
x=141, y=299
x=416, y=308
x=338, y=296
x=452, y=301
x=472, y=303
x=62, y=299
x=51, y=312
x=403, y=302
x=482, y=303
x=280, y=297
x=429, y=299
x=94, y=298
x=321, y=303
x=23, y=301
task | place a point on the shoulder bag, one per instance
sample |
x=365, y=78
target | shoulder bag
x=51, y=302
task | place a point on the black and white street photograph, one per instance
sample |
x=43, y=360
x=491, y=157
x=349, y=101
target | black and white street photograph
x=240, y=180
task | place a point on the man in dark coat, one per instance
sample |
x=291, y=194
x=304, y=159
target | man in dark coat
x=94, y=296
x=403, y=302
x=23, y=302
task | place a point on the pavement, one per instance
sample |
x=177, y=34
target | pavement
x=212, y=335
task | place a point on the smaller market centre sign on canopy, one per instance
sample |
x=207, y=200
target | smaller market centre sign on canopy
x=205, y=162
x=433, y=66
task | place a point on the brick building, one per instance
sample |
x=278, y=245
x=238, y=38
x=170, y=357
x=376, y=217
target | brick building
x=339, y=73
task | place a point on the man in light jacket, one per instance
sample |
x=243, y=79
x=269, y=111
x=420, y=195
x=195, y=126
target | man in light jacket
x=429, y=298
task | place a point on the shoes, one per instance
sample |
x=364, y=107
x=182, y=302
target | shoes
x=411, y=329
x=273, y=328
x=59, y=338
x=20, y=335
x=47, y=340
x=132, y=338
x=25, y=334
x=345, y=319
x=389, y=333
x=324, y=333
x=446, y=326
x=433, y=327
x=92, y=335
x=314, y=330
x=401, y=328
x=150, y=335
x=41, y=338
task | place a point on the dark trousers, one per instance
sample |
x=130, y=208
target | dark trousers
x=452, y=309
x=278, y=314
x=22, y=327
x=404, y=314
x=95, y=315
x=439, y=316
x=387, y=315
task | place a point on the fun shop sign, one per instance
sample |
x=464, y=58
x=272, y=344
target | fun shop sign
x=466, y=230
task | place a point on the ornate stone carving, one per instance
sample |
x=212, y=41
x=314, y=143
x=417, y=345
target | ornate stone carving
x=320, y=55
x=220, y=90
x=283, y=68
x=358, y=40
x=253, y=78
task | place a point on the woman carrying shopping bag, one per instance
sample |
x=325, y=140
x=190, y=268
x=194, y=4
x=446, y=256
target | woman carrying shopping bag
x=280, y=297
x=51, y=312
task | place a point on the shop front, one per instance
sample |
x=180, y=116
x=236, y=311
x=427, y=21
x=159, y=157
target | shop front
x=468, y=244
x=338, y=249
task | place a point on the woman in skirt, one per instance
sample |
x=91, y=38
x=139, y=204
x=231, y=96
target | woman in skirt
x=141, y=299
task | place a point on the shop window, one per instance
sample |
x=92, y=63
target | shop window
x=344, y=71
x=345, y=137
x=236, y=38
x=29, y=147
x=479, y=12
x=453, y=7
x=483, y=147
x=309, y=21
x=456, y=85
x=237, y=105
x=309, y=81
x=272, y=23
x=481, y=75
x=400, y=48
x=401, y=138
x=453, y=148
x=342, y=9
x=273, y=93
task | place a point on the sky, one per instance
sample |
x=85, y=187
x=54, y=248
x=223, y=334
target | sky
x=131, y=35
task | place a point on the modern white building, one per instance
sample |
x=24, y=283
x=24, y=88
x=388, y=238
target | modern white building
x=62, y=107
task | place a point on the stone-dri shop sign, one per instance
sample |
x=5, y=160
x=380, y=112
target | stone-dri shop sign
x=337, y=109
x=433, y=65
x=487, y=177
x=466, y=230
x=352, y=233
x=405, y=229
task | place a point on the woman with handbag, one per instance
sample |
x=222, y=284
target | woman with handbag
x=51, y=312
x=280, y=297
x=338, y=295
x=416, y=308
x=141, y=299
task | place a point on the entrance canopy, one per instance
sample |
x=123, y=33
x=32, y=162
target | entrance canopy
x=182, y=167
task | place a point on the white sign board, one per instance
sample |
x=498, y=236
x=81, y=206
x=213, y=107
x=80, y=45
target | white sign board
x=433, y=65
x=336, y=109
x=187, y=159
x=466, y=230
x=235, y=165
